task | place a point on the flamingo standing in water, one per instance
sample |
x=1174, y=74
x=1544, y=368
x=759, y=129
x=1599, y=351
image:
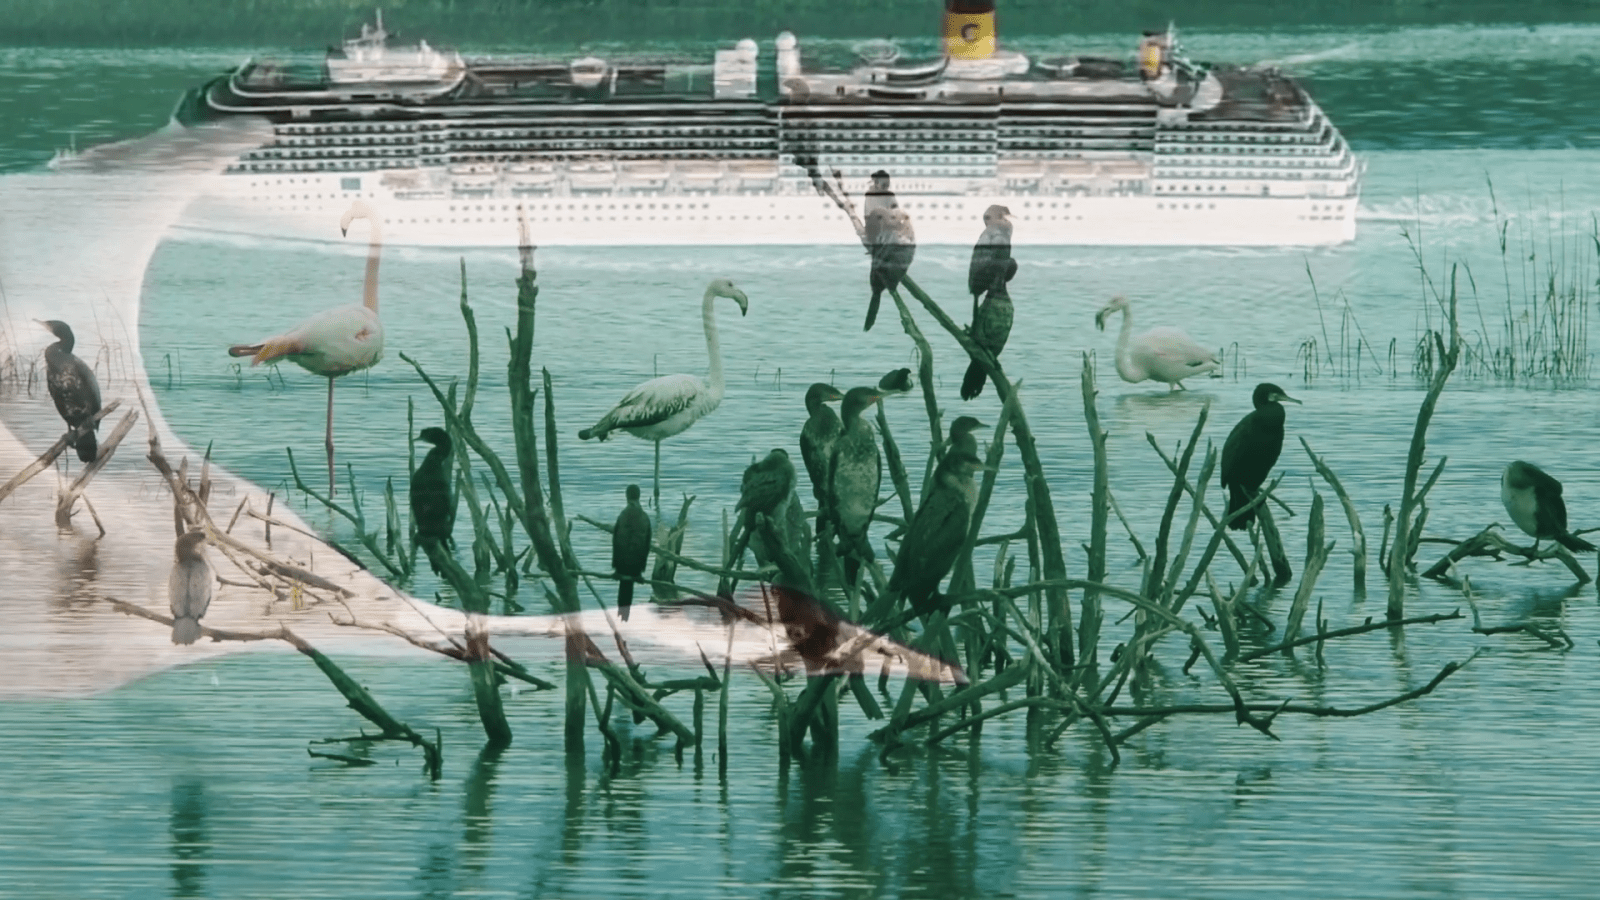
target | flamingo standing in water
x=1163, y=353
x=665, y=406
x=339, y=341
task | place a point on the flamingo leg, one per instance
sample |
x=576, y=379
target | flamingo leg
x=329, y=441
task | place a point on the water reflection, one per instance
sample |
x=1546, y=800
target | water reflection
x=191, y=839
x=77, y=572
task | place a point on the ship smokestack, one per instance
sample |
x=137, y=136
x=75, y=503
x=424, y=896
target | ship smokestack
x=969, y=29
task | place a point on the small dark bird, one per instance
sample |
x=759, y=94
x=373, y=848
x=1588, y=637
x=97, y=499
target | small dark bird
x=990, y=254
x=1534, y=501
x=188, y=587
x=897, y=382
x=991, y=327
x=892, y=244
x=879, y=196
x=630, y=549
x=853, y=478
x=73, y=387
x=767, y=486
x=433, y=494
x=822, y=428
x=937, y=530
x=1251, y=450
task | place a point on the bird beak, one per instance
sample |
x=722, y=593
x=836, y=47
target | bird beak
x=1282, y=397
x=744, y=302
x=1100, y=319
x=836, y=395
x=344, y=231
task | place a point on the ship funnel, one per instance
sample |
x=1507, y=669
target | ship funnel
x=969, y=29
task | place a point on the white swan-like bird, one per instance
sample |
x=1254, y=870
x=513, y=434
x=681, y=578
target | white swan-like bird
x=1163, y=353
x=338, y=341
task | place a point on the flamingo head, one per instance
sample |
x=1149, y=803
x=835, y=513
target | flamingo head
x=1117, y=302
x=722, y=287
x=357, y=210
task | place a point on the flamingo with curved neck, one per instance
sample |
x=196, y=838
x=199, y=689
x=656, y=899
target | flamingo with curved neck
x=338, y=341
x=1163, y=353
x=669, y=405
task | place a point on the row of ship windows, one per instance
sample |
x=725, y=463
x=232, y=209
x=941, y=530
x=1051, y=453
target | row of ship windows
x=612, y=218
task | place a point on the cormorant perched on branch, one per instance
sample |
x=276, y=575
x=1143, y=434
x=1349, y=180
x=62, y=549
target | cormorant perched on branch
x=1251, y=450
x=991, y=327
x=990, y=255
x=188, y=587
x=73, y=387
x=892, y=244
x=817, y=436
x=937, y=530
x=630, y=549
x=1534, y=501
x=433, y=491
x=767, y=485
x=853, y=478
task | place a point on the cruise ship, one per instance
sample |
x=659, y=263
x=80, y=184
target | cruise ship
x=761, y=146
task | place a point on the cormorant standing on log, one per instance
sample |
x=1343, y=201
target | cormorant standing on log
x=991, y=327
x=433, y=494
x=990, y=255
x=937, y=530
x=630, y=549
x=892, y=244
x=853, y=478
x=73, y=387
x=1534, y=501
x=1251, y=450
x=188, y=587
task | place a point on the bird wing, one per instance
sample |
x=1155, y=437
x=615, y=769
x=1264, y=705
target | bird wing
x=1171, y=353
x=992, y=328
x=189, y=588
x=654, y=402
x=931, y=542
x=72, y=386
x=989, y=257
x=333, y=342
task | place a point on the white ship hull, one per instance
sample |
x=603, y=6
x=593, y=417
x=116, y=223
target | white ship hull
x=309, y=209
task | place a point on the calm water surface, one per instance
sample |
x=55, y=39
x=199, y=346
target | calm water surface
x=192, y=782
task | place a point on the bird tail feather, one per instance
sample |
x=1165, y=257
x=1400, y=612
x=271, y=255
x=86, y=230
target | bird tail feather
x=88, y=447
x=972, y=385
x=268, y=350
x=624, y=597
x=185, y=630
x=872, y=309
x=1237, y=500
x=1574, y=543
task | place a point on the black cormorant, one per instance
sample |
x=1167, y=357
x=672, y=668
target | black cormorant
x=897, y=382
x=822, y=428
x=1534, y=501
x=937, y=530
x=991, y=327
x=990, y=254
x=73, y=387
x=433, y=492
x=962, y=439
x=767, y=485
x=630, y=548
x=188, y=587
x=892, y=244
x=853, y=478
x=1251, y=450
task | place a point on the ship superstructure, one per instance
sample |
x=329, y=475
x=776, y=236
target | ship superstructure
x=1082, y=150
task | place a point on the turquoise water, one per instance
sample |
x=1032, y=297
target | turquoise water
x=193, y=783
